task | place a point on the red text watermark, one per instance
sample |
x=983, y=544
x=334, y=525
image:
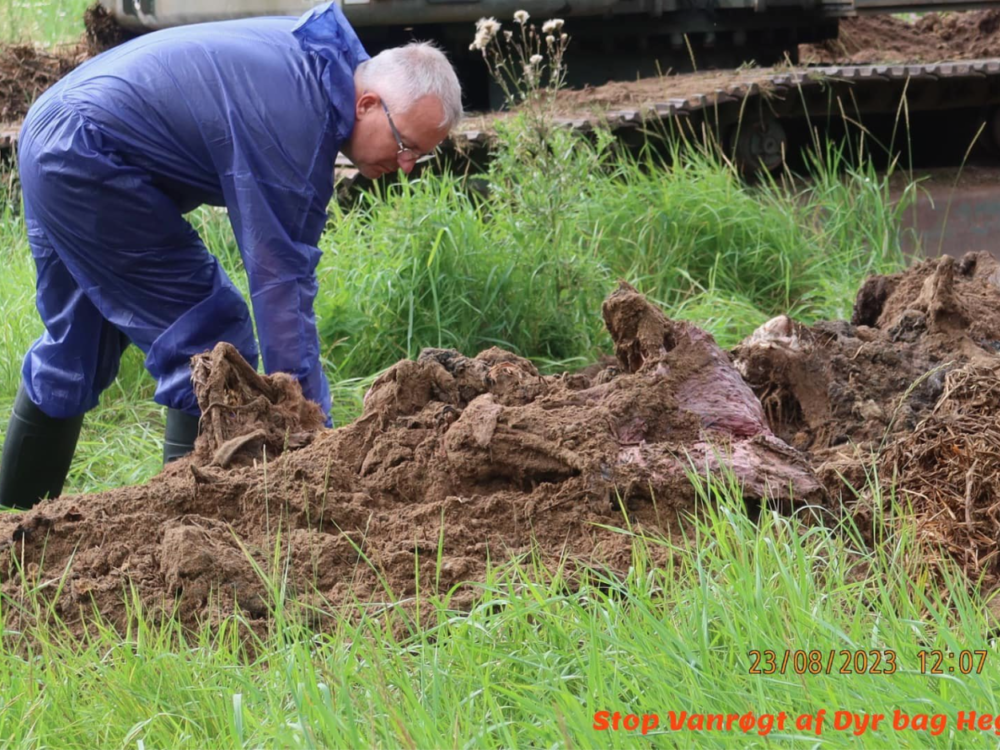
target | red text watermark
x=818, y=722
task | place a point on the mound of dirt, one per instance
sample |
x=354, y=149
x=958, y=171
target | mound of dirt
x=102, y=31
x=455, y=461
x=26, y=71
x=909, y=389
x=836, y=383
x=890, y=39
x=946, y=471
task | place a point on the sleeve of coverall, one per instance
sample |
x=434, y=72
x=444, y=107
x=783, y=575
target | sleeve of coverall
x=277, y=231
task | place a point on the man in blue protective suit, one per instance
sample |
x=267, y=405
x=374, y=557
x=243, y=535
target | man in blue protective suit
x=247, y=114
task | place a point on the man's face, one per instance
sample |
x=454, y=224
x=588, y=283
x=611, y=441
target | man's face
x=373, y=146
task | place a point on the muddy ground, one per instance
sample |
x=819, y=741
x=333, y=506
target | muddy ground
x=908, y=391
x=459, y=461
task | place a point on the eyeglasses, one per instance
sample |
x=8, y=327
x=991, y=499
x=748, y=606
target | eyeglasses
x=405, y=153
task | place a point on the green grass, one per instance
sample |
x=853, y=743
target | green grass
x=535, y=659
x=429, y=265
x=46, y=22
x=424, y=264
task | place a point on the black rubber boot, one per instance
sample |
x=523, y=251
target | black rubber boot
x=37, y=452
x=179, y=437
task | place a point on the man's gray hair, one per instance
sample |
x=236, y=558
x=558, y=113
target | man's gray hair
x=402, y=75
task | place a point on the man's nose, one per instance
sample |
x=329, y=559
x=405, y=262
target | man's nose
x=407, y=166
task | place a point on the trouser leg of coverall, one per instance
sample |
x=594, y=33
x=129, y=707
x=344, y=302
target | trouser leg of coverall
x=141, y=265
x=38, y=448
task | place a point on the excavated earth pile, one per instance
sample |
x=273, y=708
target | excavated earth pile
x=908, y=390
x=474, y=459
x=933, y=37
x=456, y=461
x=102, y=31
x=26, y=71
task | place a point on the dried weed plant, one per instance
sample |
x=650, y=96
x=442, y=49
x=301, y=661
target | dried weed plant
x=538, y=164
x=527, y=63
x=946, y=471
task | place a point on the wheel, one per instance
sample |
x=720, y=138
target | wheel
x=759, y=143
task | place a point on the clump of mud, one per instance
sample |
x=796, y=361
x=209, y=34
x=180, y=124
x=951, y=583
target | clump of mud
x=472, y=459
x=907, y=389
x=248, y=417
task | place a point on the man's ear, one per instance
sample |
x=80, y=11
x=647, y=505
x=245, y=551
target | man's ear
x=366, y=103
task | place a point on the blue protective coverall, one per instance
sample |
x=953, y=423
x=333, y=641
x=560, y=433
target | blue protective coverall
x=247, y=114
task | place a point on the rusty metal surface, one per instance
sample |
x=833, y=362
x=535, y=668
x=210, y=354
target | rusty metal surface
x=954, y=212
x=891, y=81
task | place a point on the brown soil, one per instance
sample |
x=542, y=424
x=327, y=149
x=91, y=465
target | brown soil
x=839, y=382
x=889, y=39
x=102, y=31
x=458, y=461
x=909, y=388
x=483, y=456
x=26, y=71
x=646, y=91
